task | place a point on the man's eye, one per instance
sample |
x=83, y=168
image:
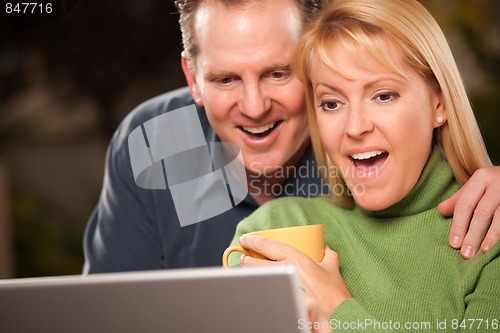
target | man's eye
x=225, y=80
x=277, y=75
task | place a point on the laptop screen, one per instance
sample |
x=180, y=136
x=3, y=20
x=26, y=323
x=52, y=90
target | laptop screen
x=212, y=300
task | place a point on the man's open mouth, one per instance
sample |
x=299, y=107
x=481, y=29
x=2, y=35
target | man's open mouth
x=261, y=131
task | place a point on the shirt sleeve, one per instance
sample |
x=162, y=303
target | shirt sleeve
x=121, y=234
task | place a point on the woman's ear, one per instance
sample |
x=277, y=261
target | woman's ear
x=439, y=110
x=191, y=80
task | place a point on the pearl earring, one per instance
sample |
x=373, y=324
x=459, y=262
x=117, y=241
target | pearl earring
x=439, y=119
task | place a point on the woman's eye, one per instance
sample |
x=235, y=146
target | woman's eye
x=329, y=105
x=387, y=97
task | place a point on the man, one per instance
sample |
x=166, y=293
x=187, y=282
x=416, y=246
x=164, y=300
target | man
x=236, y=61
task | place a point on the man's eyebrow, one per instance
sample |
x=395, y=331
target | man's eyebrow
x=279, y=66
x=216, y=73
x=222, y=73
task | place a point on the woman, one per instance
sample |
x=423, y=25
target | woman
x=394, y=133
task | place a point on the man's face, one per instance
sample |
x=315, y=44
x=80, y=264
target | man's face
x=242, y=77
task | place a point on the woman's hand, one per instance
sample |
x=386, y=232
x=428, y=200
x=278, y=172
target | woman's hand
x=321, y=280
x=319, y=323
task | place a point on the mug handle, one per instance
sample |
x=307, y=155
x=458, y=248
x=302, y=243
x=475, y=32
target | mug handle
x=228, y=251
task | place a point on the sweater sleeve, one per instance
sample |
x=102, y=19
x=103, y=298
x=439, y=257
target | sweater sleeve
x=481, y=286
x=351, y=316
x=482, y=303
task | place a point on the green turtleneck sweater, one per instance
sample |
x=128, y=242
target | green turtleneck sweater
x=397, y=264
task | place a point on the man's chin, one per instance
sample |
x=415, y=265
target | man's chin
x=258, y=169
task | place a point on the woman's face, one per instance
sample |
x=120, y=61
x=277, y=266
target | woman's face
x=376, y=125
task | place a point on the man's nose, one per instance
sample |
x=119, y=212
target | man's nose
x=255, y=100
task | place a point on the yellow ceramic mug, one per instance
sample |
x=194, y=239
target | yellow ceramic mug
x=309, y=239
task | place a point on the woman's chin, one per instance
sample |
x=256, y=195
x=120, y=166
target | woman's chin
x=372, y=202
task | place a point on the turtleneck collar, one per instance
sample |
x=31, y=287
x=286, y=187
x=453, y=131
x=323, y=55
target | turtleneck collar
x=435, y=184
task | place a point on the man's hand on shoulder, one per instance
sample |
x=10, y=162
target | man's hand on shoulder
x=476, y=212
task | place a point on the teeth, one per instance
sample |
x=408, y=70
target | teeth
x=261, y=129
x=364, y=156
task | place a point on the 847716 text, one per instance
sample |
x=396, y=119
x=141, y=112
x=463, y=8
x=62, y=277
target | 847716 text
x=28, y=8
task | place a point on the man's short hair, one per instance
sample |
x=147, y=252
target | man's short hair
x=187, y=12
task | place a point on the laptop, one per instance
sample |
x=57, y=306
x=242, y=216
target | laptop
x=211, y=300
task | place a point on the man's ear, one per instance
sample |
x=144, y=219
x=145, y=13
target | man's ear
x=191, y=81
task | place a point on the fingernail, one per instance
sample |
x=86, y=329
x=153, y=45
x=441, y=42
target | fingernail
x=488, y=244
x=468, y=252
x=456, y=241
x=242, y=259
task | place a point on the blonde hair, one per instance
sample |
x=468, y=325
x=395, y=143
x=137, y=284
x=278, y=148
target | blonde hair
x=368, y=23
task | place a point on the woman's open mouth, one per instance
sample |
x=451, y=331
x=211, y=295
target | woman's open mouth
x=369, y=164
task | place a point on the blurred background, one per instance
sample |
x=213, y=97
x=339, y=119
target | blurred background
x=67, y=83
